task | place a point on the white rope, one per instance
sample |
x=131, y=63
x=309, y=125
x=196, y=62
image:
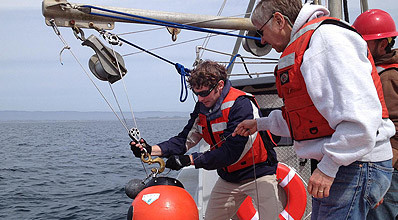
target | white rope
x=124, y=86
x=207, y=39
x=128, y=100
x=255, y=176
x=124, y=124
x=117, y=102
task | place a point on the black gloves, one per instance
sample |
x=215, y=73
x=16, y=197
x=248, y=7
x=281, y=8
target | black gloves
x=176, y=162
x=137, y=151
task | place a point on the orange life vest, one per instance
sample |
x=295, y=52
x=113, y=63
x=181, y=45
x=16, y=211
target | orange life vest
x=383, y=67
x=212, y=132
x=304, y=120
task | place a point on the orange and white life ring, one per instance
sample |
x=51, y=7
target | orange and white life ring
x=247, y=211
x=295, y=193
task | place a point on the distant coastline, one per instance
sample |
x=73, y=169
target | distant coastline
x=76, y=115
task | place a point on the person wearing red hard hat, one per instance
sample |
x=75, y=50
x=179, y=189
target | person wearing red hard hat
x=378, y=29
x=375, y=24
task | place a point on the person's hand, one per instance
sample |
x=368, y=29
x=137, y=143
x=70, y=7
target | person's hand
x=138, y=148
x=246, y=128
x=319, y=184
x=176, y=162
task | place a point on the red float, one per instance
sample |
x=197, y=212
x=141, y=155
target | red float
x=164, y=202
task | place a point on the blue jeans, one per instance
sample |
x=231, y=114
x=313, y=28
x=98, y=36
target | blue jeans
x=389, y=208
x=357, y=188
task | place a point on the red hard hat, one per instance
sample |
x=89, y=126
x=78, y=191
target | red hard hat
x=375, y=24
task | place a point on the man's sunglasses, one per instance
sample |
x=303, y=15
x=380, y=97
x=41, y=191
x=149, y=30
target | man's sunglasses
x=205, y=92
x=260, y=31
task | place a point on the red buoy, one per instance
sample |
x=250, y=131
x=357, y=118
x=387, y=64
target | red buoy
x=164, y=202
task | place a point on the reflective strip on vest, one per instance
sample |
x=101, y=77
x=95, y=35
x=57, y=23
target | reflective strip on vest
x=227, y=105
x=248, y=146
x=286, y=61
x=249, y=143
x=309, y=28
x=303, y=31
x=384, y=67
x=200, y=130
x=380, y=69
x=194, y=135
x=217, y=127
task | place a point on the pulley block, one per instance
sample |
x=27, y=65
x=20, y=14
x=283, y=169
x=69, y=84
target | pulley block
x=105, y=63
x=254, y=46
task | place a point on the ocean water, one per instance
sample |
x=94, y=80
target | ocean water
x=71, y=169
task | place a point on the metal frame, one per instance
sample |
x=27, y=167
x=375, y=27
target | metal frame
x=67, y=14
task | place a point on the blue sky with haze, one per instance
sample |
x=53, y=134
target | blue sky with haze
x=32, y=78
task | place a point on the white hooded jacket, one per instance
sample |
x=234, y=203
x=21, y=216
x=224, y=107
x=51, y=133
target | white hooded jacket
x=337, y=74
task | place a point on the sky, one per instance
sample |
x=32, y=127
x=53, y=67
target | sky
x=33, y=79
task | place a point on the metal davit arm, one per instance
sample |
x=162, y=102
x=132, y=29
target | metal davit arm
x=67, y=14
